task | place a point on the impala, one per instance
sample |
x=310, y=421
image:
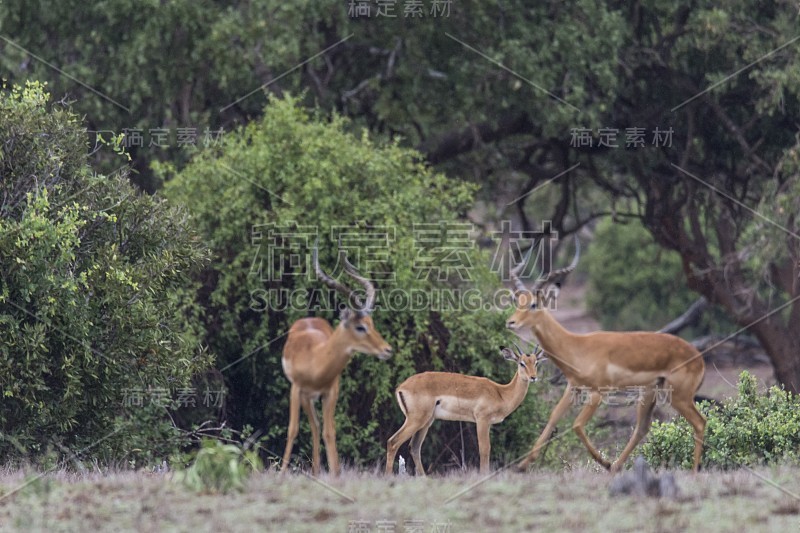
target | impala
x=426, y=397
x=604, y=361
x=315, y=355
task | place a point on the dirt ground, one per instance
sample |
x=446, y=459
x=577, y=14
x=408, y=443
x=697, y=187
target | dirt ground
x=572, y=500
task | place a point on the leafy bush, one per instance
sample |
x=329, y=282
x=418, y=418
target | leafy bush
x=219, y=467
x=751, y=429
x=291, y=171
x=94, y=286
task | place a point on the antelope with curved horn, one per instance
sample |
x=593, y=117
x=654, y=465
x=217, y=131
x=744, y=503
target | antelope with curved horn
x=604, y=361
x=428, y=396
x=315, y=355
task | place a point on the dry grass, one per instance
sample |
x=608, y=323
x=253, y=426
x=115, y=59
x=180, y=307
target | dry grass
x=575, y=500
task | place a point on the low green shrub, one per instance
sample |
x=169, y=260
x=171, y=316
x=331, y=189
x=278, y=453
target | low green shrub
x=751, y=429
x=220, y=467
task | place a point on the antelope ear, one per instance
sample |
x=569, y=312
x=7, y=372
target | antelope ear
x=508, y=354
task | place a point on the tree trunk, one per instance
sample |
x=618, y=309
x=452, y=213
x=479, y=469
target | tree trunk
x=782, y=345
x=722, y=280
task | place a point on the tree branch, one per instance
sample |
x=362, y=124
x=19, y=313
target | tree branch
x=690, y=317
x=458, y=141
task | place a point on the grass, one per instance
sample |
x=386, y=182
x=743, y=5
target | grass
x=573, y=500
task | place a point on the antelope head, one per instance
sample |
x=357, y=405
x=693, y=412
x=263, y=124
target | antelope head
x=526, y=362
x=356, y=322
x=531, y=303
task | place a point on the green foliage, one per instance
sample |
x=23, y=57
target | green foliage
x=189, y=63
x=752, y=429
x=633, y=283
x=94, y=286
x=770, y=237
x=291, y=171
x=219, y=467
x=636, y=285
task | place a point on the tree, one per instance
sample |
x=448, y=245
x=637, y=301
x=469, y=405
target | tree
x=94, y=296
x=522, y=83
x=206, y=64
x=725, y=197
x=178, y=69
x=721, y=148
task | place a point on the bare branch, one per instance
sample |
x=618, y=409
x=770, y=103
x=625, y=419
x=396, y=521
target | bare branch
x=690, y=317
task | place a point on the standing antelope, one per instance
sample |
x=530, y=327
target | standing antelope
x=426, y=397
x=603, y=361
x=315, y=355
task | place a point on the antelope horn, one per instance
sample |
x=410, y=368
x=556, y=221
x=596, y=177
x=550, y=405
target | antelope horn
x=517, y=270
x=520, y=351
x=368, y=286
x=557, y=276
x=332, y=283
x=538, y=351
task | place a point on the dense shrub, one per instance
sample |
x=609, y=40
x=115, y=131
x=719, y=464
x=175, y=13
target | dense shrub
x=751, y=429
x=94, y=279
x=291, y=171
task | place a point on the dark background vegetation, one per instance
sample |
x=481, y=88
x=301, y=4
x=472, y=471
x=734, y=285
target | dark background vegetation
x=132, y=271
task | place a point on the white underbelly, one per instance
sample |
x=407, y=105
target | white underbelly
x=452, y=408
